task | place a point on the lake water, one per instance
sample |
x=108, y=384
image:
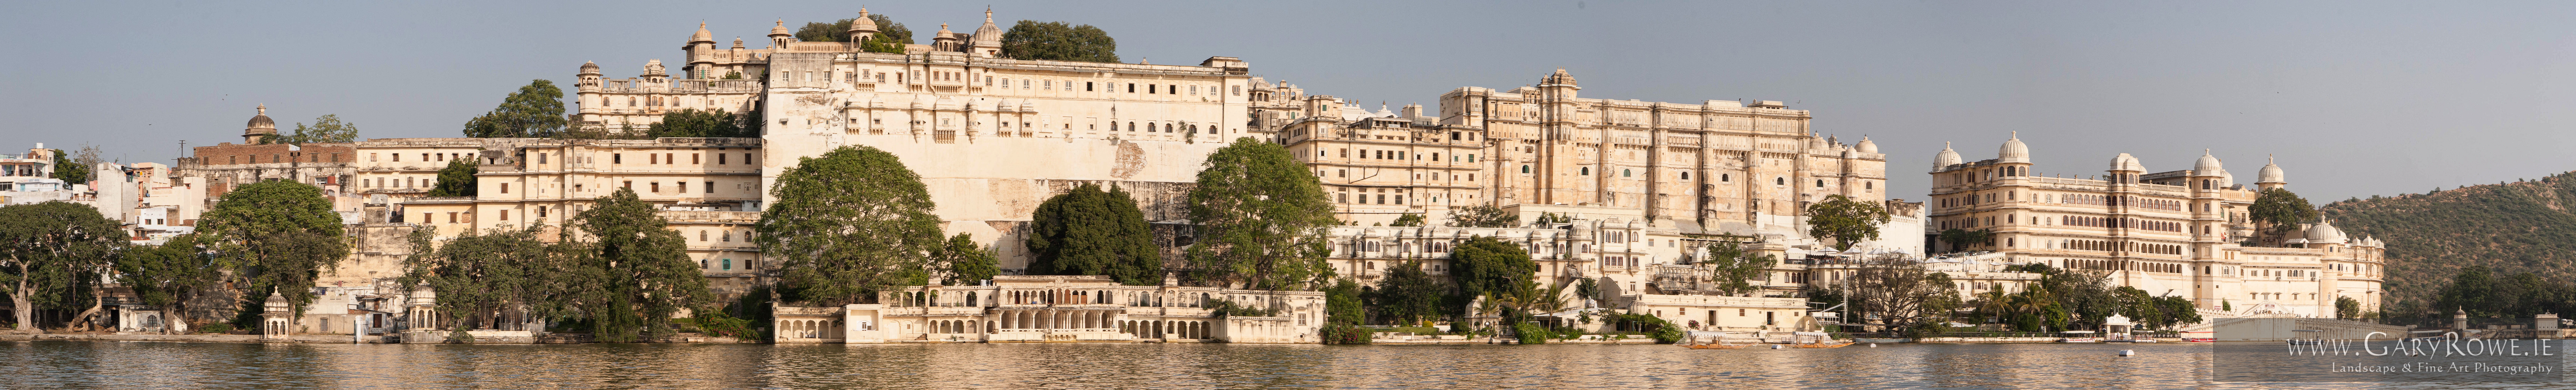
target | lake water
x=133, y=365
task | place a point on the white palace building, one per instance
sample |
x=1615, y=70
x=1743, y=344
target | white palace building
x=2173, y=233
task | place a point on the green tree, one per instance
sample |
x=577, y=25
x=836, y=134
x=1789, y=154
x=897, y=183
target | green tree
x=1483, y=216
x=326, y=129
x=171, y=275
x=1086, y=231
x=457, y=179
x=478, y=276
x=1960, y=239
x=1733, y=268
x=1261, y=219
x=536, y=110
x=1342, y=303
x=1845, y=220
x=2281, y=209
x=647, y=276
x=52, y=254
x=1902, y=293
x=848, y=224
x=1408, y=295
x=839, y=31
x=280, y=234
x=692, y=123
x=966, y=261
x=2473, y=290
x=1408, y=219
x=1034, y=40
x=1486, y=266
x=75, y=168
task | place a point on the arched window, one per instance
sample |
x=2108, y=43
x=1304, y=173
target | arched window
x=1586, y=171
x=1685, y=175
x=1167, y=127
x=702, y=236
x=1820, y=183
x=1131, y=126
x=1725, y=178
x=1779, y=181
x=1524, y=169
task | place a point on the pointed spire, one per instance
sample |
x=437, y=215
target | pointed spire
x=263, y=108
x=2016, y=135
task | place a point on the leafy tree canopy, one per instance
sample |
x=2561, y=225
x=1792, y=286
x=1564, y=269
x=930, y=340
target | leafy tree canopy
x=457, y=179
x=1488, y=266
x=693, y=123
x=536, y=110
x=1408, y=295
x=1734, y=268
x=646, y=274
x=1846, y=221
x=2281, y=208
x=1087, y=231
x=52, y=254
x=1483, y=216
x=1408, y=219
x=1034, y=40
x=280, y=233
x=326, y=129
x=966, y=261
x=848, y=224
x=890, y=36
x=1261, y=219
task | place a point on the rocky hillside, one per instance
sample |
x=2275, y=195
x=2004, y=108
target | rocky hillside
x=2516, y=227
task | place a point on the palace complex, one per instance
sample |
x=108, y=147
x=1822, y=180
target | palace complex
x=2174, y=233
x=1625, y=195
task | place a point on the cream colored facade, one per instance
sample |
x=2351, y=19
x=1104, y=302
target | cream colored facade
x=991, y=137
x=1057, y=309
x=2175, y=233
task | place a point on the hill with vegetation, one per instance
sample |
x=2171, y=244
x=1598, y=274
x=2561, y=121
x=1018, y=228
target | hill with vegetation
x=2514, y=227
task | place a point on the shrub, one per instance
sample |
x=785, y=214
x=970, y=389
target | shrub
x=216, y=328
x=718, y=323
x=1345, y=334
x=1532, y=334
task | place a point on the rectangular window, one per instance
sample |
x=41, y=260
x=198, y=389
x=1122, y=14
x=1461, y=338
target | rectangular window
x=720, y=159
x=617, y=158
x=451, y=217
x=657, y=187
x=1236, y=90
x=505, y=188
x=1131, y=87
x=693, y=158
x=1086, y=86
x=541, y=158
x=711, y=187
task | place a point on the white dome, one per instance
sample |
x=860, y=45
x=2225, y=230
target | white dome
x=1946, y=159
x=2207, y=166
x=1866, y=146
x=2325, y=233
x=2271, y=173
x=2226, y=179
x=2013, y=150
x=2125, y=162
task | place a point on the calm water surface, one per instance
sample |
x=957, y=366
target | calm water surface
x=132, y=365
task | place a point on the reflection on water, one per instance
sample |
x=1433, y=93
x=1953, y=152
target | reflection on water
x=127, y=365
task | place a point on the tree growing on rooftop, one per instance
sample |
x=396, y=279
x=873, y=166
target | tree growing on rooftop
x=1034, y=40
x=536, y=110
x=1261, y=220
x=1846, y=221
x=2281, y=210
x=694, y=123
x=326, y=129
x=1483, y=216
x=1408, y=219
x=1733, y=268
x=1086, y=231
x=848, y=224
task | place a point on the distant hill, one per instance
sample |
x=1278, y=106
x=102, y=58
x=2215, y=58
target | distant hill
x=2515, y=227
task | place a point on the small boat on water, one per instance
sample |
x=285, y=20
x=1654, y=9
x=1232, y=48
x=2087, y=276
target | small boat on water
x=1822, y=340
x=2078, y=336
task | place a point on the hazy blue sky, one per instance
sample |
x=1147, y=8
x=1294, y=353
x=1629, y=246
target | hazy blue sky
x=2356, y=99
